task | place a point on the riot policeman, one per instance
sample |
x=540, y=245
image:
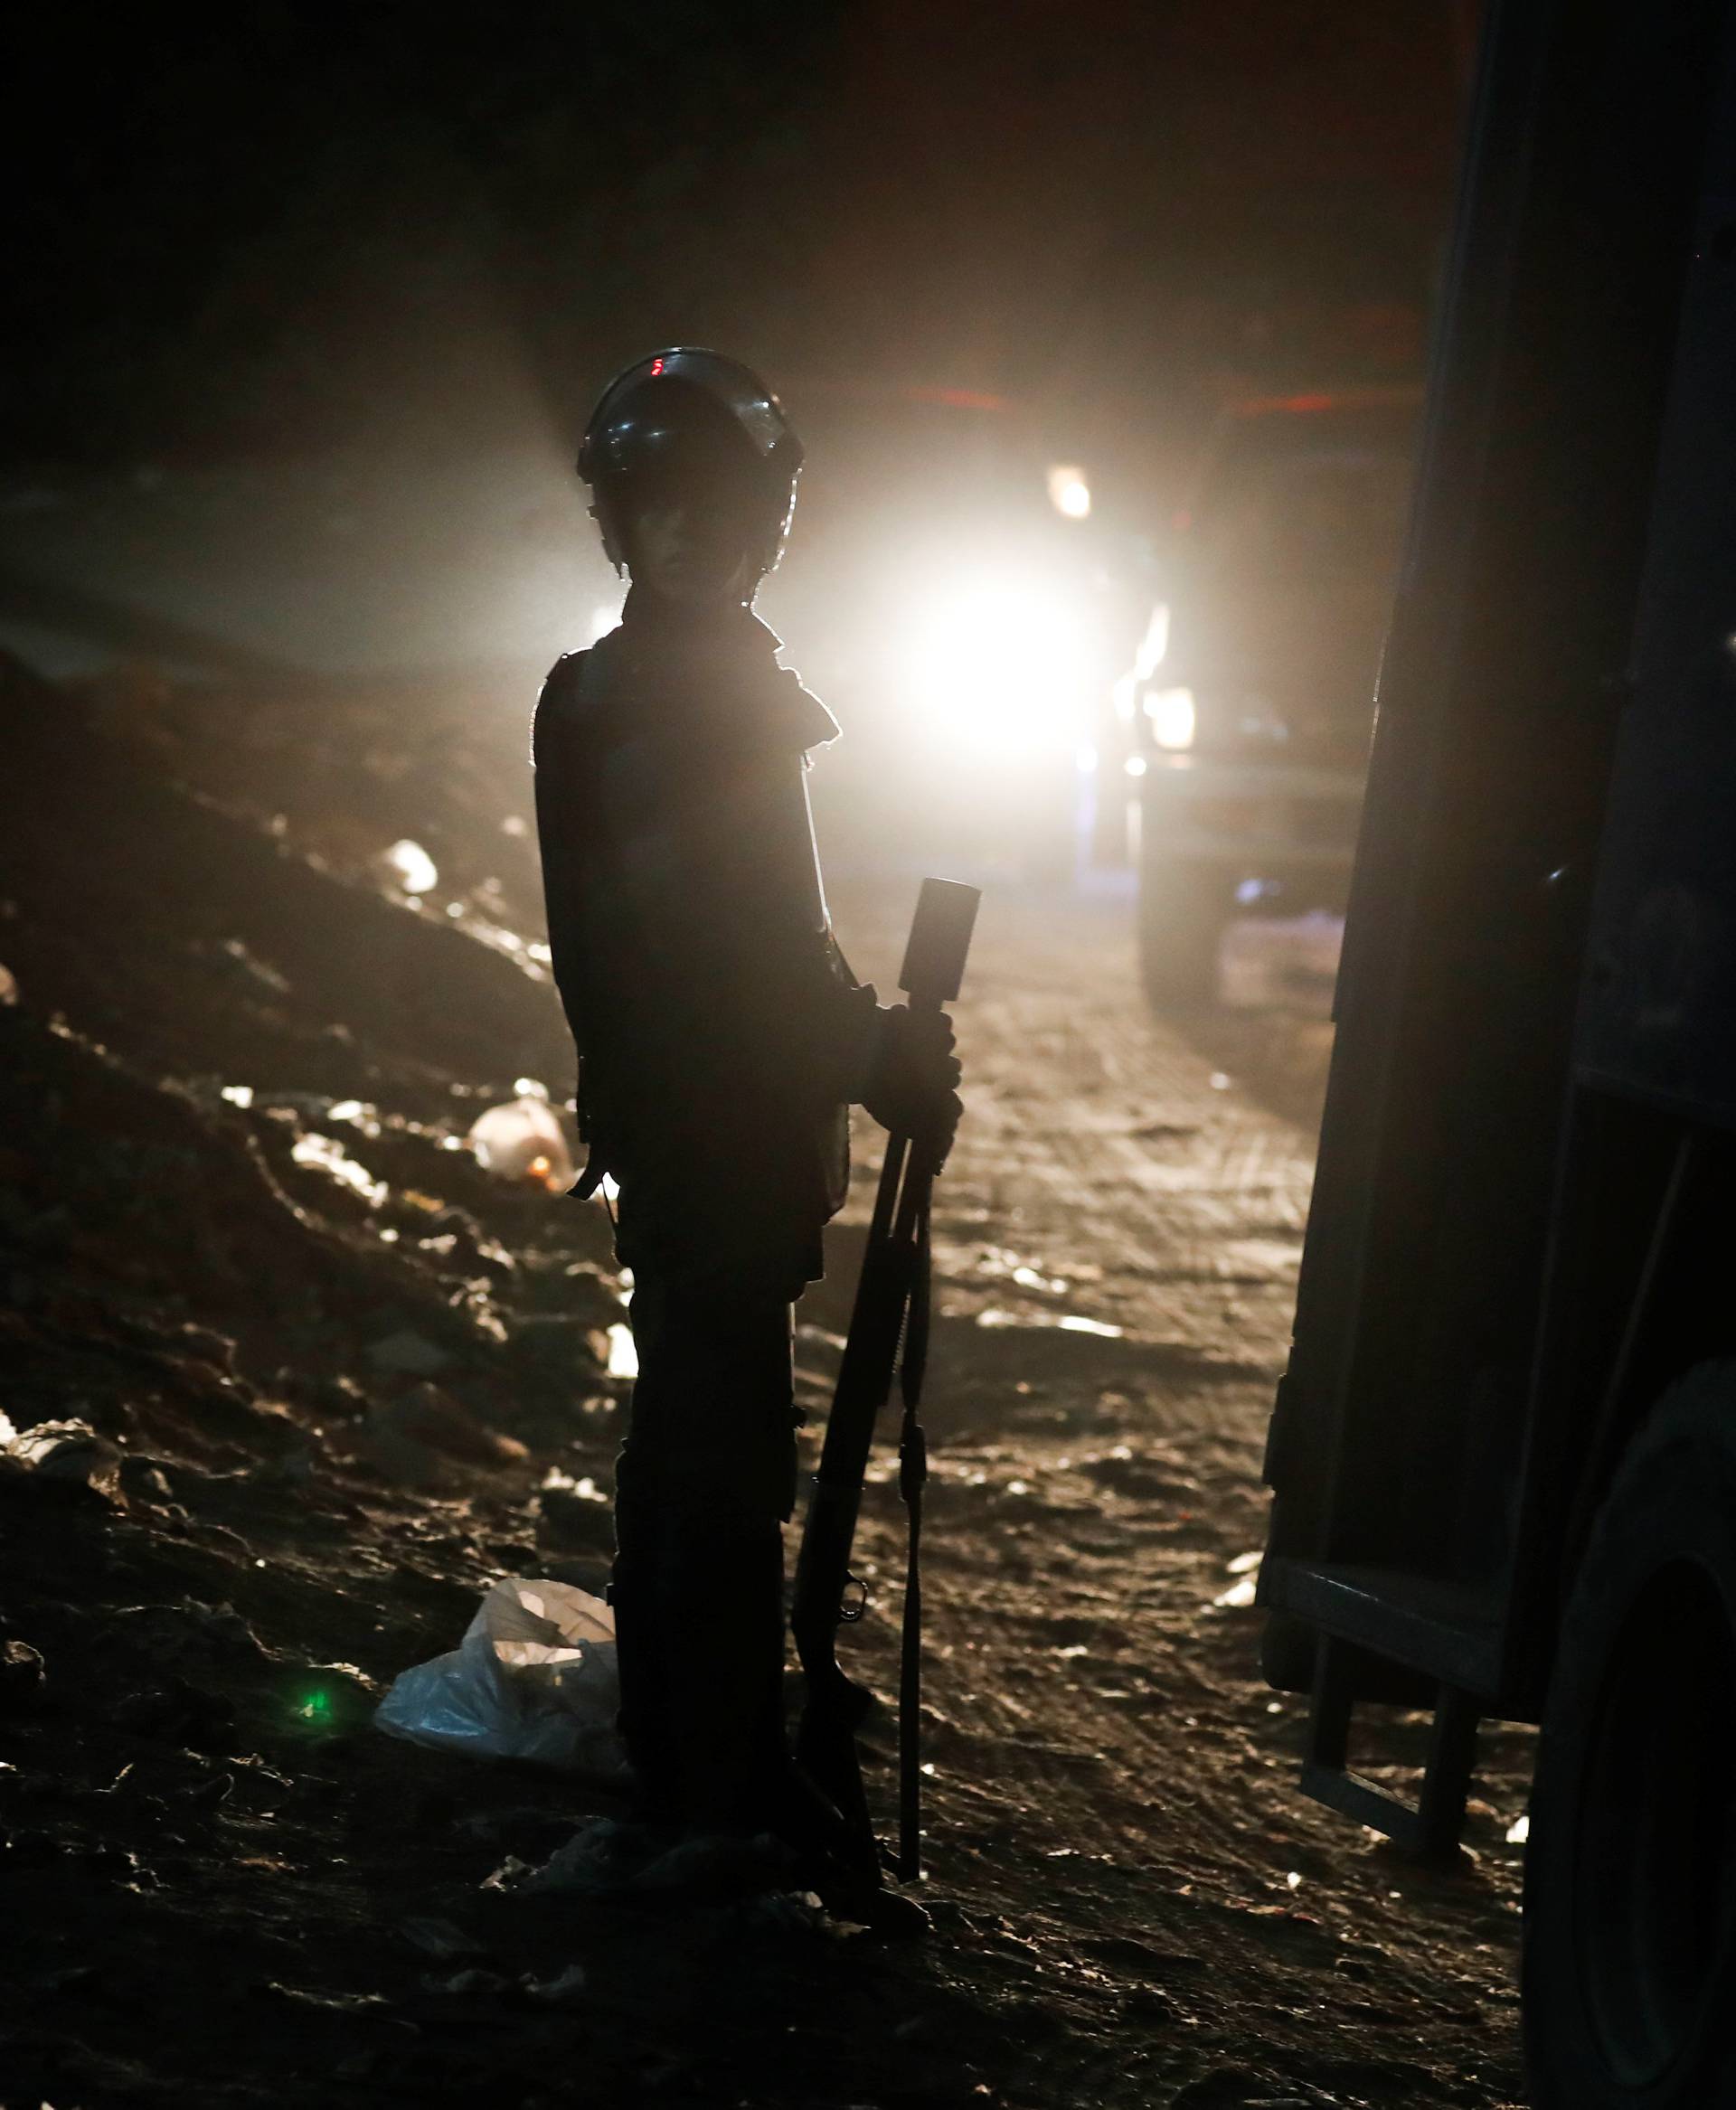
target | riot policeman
x=722, y=1039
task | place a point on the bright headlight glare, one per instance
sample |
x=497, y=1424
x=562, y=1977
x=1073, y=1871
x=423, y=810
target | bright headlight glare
x=1154, y=647
x=1001, y=666
x=1172, y=715
x=1069, y=493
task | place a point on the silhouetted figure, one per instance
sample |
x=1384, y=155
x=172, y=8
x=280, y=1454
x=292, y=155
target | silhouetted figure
x=722, y=1038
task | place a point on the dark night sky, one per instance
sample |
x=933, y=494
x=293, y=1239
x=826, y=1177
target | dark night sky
x=281, y=228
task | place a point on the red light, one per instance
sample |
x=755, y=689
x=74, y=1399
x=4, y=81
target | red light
x=656, y=366
x=1264, y=406
x=958, y=398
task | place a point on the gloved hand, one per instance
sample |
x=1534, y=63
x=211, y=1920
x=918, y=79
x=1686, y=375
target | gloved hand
x=911, y=1086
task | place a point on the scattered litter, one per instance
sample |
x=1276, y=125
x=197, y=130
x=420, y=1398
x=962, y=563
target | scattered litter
x=1219, y=1081
x=1066, y=1322
x=334, y=2003
x=1029, y=1278
x=823, y=1334
x=69, y=1454
x=23, y=1672
x=237, y=1095
x=1247, y=1563
x=408, y=867
x=1519, y=1831
x=508, y=1876
x=409, y=1351
x=555, y=1482
x=332, y=1158
x=534, y=1678
x=1000, y=1261
x=1238, y=1596
x=557, y=1991
x=623, y=1352
x=257, y=970
x=523, y=1140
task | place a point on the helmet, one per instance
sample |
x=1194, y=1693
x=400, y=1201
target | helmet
x=685, y=422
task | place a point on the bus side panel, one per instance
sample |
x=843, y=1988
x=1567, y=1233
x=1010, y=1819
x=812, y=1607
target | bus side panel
x=1403, y=1414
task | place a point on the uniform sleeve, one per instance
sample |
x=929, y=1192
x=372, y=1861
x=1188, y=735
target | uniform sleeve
x=815, y=1026
x=560, y=824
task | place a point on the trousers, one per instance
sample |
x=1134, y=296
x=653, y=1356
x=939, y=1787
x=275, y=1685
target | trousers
x=705, y=1484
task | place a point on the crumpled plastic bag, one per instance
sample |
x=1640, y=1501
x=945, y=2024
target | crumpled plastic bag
x=523, y=1140
x=66, y=1453
x=534, y=1677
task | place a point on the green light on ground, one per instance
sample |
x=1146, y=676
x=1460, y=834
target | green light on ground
x=314, y=1706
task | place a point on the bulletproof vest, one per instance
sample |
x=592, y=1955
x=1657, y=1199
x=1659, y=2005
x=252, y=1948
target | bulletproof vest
x=689, y=931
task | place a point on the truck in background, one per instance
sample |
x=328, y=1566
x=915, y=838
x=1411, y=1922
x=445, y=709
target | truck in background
x=1253, y=697
x=1504, y=1454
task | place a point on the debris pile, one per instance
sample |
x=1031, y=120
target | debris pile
x=301, y=1354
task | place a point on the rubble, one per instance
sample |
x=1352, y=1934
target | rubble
x=22, y=1673
x=67, y=1453
x=341, y=1409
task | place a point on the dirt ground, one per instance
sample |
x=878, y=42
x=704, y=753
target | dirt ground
x=340, y=1379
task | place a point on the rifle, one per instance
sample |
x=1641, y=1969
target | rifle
x=891, y=1306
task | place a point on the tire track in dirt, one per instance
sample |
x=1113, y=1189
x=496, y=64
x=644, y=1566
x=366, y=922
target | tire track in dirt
x=1160, y=1917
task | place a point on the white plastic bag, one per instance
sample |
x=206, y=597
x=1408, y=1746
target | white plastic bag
x=523, y=1140
x=534, y=1677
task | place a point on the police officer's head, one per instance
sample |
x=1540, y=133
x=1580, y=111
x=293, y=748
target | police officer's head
x=691, y=466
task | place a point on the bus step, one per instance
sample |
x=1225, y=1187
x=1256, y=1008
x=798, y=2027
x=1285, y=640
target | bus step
x=1431, y=1830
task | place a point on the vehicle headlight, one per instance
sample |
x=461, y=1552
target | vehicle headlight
x=1069, y=493
x=1172, y=717
x=1002, y=665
